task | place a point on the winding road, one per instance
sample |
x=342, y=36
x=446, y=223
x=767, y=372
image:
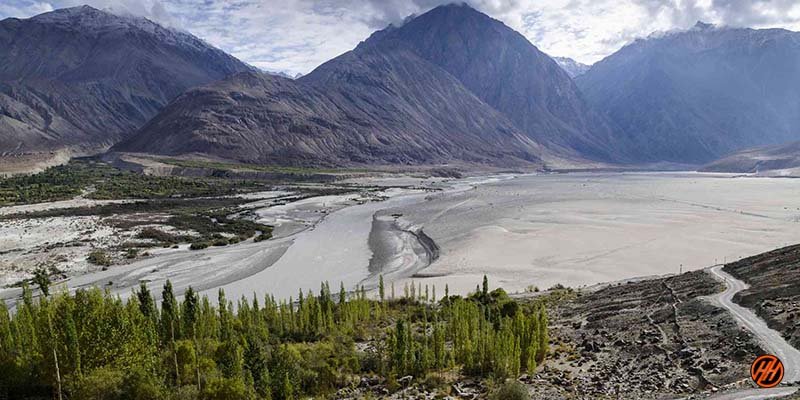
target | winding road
x=771, y=341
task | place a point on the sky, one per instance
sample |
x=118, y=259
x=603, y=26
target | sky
x=295, y=36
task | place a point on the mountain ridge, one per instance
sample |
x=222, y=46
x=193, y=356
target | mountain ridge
x=502, y=68
x=260, y=118
x=760, y=160
x=440, y=88
x=81, y=78
x=693, y=96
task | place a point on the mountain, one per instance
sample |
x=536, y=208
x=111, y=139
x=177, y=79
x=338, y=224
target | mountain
x=82, y=79
x=284, y=74
x=693, y=96
x=784, y=157
x=395, y=109
x=573, y=68
x=502, y=68
x=449, y=85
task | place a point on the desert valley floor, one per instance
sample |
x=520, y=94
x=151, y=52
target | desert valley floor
x=523, y=231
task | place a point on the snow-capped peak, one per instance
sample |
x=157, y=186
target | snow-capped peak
x=90, y=19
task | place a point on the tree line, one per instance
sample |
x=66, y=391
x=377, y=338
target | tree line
x=92, y=345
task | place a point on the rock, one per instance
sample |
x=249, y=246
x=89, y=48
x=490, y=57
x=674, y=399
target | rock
x=687, y=352
x=694, y=371
x=591, y=346
x=710, y=364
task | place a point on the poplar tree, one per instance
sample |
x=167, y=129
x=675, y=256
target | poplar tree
x=380, y=288
x=146, y=303
x=92, y=344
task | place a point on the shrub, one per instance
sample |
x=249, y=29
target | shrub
x=263, y=236
x=198, y=245
x=226, y=389
x=157, y=235
x=99, y=257
x=100, y=384
x=511, y=390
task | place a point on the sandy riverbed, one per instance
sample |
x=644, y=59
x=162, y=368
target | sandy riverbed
x=291, y=257
x=581, y=229
x=521, y=231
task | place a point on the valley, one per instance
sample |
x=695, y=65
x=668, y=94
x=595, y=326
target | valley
x=406, y=230
x=541, y=237
x=515, y=229
x=495, y=222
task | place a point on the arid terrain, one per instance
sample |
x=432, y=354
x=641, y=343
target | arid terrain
x=650, y=338
x=647, y=336
x=774, y=292
x=657, y=338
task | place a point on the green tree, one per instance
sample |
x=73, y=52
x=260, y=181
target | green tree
x=42, y=279
x=146, y=303
x=380, y=288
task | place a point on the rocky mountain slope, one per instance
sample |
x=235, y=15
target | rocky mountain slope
x=785, y=157
x=696, y=95
x=502, y=68
x=386, y=114
x=451, y=85
x=81, y=78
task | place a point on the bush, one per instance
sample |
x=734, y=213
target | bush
x=140, y=385
x=512, y=390
x=131, y=253
x=434, y=381
x=104, y=383
x=158, y=235
x=99, y=257
x=198, y=245
x=226, y=389
x=263, y=236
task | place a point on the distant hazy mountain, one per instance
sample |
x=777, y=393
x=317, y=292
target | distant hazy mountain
x=760, y=159
x=284, y=74
x=449, y=85
x=693, y=96
x=572, y=67
x=82, y=78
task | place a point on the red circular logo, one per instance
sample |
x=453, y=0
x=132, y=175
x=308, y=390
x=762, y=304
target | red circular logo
x=767, y=371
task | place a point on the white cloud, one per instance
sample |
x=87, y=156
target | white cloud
x=24, y=8
x=297, y=35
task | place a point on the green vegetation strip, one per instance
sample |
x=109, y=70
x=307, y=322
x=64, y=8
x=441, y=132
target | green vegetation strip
x=260, y=168
x=91, y=345
x=102, y=181
x=151, y=206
